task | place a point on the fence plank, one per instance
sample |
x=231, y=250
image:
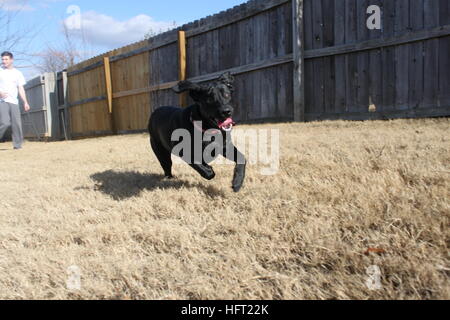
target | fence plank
x=416, y=59
x=268, y=78
x=328, y=9
x=86, y=101
x=257, y=57
x=362, y=57
x=249, y=78
x=444, y=57
x=431, y=55
x=351, y=59
x=388, y=57
x=375, y=66
x=340, y=60
x=402, y=56
x=309, y=67
x=298, y=67
x=444, y=75
x=444, y=12
x=318, y=64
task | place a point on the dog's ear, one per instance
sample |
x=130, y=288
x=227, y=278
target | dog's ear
x=228, y=80
x=184, y=86
x=196, y=91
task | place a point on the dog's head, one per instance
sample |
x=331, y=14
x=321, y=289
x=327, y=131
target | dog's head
x=214, y=100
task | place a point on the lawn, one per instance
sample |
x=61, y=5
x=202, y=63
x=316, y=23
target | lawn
x=352, y=203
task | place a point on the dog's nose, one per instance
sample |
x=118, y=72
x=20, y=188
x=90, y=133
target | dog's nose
x=227, y=113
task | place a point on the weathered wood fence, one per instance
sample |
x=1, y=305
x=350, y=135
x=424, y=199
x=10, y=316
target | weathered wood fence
x=401, y=70
x=293, y=60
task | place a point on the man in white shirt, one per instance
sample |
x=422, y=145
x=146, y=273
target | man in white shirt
x=11, y=86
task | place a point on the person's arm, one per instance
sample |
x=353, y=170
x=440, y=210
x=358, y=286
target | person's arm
x=3, y=95
x=23, y=96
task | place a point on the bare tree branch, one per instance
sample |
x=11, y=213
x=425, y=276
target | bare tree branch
x=54, y=59
x=16, y=37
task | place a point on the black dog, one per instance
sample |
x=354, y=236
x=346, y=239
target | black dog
x=213, y=109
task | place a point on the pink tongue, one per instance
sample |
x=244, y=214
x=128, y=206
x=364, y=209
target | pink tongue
x=226, y=123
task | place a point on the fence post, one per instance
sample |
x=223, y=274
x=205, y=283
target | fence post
x=109, y=93
x=182, y=63
x=51, y=104
x=66, y=122
x=299, y=62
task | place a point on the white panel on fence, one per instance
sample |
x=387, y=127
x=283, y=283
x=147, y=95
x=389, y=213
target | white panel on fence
x=42, y=120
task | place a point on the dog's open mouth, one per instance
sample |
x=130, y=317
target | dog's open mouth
x=226, y=125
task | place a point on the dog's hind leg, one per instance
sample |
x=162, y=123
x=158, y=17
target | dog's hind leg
x=163, y=156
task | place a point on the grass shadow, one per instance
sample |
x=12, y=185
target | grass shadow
x=125, y=185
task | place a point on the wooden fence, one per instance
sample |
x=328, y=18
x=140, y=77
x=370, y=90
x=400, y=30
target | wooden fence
x=293, y=60
x=399, y=71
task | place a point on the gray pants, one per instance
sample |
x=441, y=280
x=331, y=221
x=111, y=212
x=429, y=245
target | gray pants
x=10, y=117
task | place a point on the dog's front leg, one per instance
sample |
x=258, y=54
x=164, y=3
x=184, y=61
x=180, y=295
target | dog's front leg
x=195, y=162
x=205, y=171
x=233, y=154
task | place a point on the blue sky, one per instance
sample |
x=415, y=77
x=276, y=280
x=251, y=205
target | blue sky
x=106, y=25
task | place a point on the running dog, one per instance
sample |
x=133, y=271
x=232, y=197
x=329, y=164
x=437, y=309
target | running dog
x=210, y=115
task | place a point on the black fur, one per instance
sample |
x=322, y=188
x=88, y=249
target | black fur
x=212, y=106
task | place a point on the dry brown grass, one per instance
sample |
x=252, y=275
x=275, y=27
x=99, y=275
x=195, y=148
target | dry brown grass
x=343, y=187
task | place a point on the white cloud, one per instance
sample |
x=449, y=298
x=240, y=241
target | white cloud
x=47, y=3
x=15, y=5
x=102, y=30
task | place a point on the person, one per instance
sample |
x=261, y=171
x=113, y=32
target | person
x=11, y=86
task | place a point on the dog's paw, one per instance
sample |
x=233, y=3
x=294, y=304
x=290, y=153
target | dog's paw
x=237, y=187
x=207, y=173
x=238, y=182
x=238, y=179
